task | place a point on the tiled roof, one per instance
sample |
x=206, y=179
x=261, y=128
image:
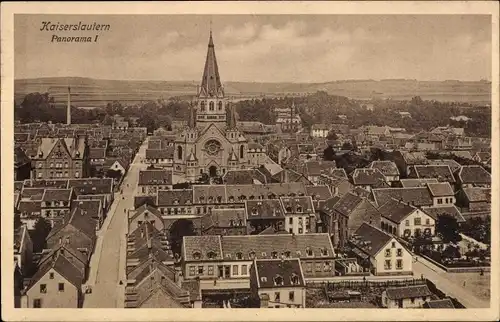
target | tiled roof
x=435, y=212
x=143, y=209
x=316, y=168
x=370, y=239
x=32, y=194
x=174, y=196
x=97, y=153
x=347, y=204
x=244, y=177
x=454, y=165
x=287, y=272
x=387, y=168
x=439, y=304
x=474, y=174
x=396, y=211
x=476, y=194
x=405, y=292
x=93, y=208
x=420, y=196
x=413, y=183
x=320, y=192
x=164, y=153
x=29, y=207
x=368, y=176
x=205, y=193
x=265, y=208
x=56, y=183
x=442, y=189
x=155, y=177
x=92, y=186
x=202, y=247
x=413, y=158
x=329, y=205
x=293, y=205
x=441, y=172
x=264, y=245
x=223, y=217
x=57, y=195
x=483, y=156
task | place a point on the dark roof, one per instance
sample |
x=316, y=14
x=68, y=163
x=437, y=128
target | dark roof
x=56, y=195
x=55, y=183
x=264, y=208
x=155, y=177
x=347, y=204
x=20, y=157
x=328, y=206
x=474, y=174
x=368, y=176
x=144, y=200
x=292, y=205
x=174, y=196
x=320, y=192
x=413, y=183
x=441, y=189
x=92, y=207
x=475, y=194
x=35, y=194
x=387, y=168
x=439, y=304
x=287, y=272
x=223, y=217
x=441, y=172
x=405, y=292
x=243, y=177
x=396, y=211
x=420, y=196
x=145, y=208
x=29, y=207
x=370, y=239
x=435, y=212
x=208, y=247
x=164, y=153
x=92, y=186
x=62, y=266
x=454, y=165
x=316, y=168
x=97, y=153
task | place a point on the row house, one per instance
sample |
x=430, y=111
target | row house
x=61, y=158
x=92, y=208
x=380, y=253
x=278, y=283
x=145, y=213
x=160, y=157
x=342, y=216
x=56, y=203
x=175, y=202
x=265, y=215
x=454, y=165
x=150, y=181
x=300, y=215
x=224, y=262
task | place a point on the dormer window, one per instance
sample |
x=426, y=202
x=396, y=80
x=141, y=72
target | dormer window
x=196, y=255
x=288, y=209
x=251, y=198
x=202, y=199
x=231, y=222
x=239, y=255
x=211, y=255
x=176, y=201
x=210, y=199
x=287, y=254
x=254, y=211
x=263, y=279
x=294, y=279
x=309, y=251
x=274, y=254
x=278, y=280
x=251, y=255
x=219, y=199
x=299, y=209
x=264, y=254
x=324, y=251
x=231, y=199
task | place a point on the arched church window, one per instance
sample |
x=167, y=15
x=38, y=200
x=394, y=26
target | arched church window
x=211, y=106
x=202, y=106
x=220, y=106
x=241, y=151
x=179, y=152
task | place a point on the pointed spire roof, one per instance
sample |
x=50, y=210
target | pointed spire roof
x=191, y=157
x=231, y=121
x=232, y=156
x=192, y=117
x=211, y=85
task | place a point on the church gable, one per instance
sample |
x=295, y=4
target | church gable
x=59, y=151
x=212, y=132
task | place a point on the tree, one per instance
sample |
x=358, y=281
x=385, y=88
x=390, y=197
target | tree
x=108, y=120
x=451, y=252
x=17, y=221
x=447, y=229
x=347, y=146
x=39, y=234
x=115, y=174
x=332, y=136
x=329, y=153
x=179, y=229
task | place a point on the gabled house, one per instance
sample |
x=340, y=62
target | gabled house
x=440, y=172
x=388, y=169
x=225, y=222
x=482, y=157
x=442, y=194
x=380, y=252
x=473, y=176
x=299, y=214
x=145, y=213
x=368, y=178
x=278, y=283
x=56, y=203
x=163, y=157
x=403, y=220
x=405, y=297
x=263, y=214
x=474, y=199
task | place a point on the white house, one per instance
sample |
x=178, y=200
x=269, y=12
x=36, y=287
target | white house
x=406, y=297
x=404, y=220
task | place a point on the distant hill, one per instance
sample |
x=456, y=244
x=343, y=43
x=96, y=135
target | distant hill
x=88, y=92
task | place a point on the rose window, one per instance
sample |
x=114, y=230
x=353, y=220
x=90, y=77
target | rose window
x=212, y=147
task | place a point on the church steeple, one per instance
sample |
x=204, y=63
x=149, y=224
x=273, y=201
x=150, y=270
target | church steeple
x=231, y=121
x=192, y=117
x=211, y=85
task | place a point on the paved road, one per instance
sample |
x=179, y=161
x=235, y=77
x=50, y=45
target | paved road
x=438, y=277
x=107, y=265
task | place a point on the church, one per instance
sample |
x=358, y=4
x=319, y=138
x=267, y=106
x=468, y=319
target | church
x=211, y=142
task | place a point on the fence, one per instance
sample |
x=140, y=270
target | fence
x=353, y=285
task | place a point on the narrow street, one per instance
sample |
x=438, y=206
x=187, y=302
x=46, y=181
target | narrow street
x=107, y=265
x=438, y=277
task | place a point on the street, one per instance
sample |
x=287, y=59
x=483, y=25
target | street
x=107, y=265
x=439, y=278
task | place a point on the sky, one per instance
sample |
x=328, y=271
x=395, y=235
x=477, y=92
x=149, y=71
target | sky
x=260, y=48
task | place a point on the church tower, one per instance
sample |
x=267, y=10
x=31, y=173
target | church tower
x=211, y=99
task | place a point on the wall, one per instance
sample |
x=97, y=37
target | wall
x=53, y=298
x=445, y=201
x=233, y=273
x=407, y=303
x=298, y=301
x=158, y=222
x=413, y=227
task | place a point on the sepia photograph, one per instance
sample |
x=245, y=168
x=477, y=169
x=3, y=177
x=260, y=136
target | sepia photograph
x=250, y=160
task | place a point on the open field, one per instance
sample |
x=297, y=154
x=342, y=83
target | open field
x=88, y=92
x=474, y=283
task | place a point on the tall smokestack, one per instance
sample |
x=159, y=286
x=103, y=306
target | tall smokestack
x=68, y=112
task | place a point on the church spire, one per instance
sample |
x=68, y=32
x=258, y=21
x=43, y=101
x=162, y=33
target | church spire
x=211, y=85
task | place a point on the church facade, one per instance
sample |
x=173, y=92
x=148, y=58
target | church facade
x=211, y=142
